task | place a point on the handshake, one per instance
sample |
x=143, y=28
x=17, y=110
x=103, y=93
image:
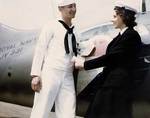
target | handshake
x=78, y=62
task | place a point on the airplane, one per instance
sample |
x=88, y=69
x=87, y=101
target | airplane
x=17, y=49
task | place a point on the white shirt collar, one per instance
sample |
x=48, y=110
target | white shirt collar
x=123, y=30
x=63, y=20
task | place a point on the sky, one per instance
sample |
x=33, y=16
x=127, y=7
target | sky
x=32, y=14
x=25, y=14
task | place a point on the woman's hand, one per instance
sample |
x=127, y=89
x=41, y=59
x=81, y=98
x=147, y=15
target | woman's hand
x=78, y=62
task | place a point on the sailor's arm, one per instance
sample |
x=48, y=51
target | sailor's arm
x=39, y=55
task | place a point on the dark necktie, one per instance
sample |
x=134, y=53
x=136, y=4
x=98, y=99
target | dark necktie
x=69, y=31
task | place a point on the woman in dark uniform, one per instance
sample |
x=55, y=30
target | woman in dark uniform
x=114, y=98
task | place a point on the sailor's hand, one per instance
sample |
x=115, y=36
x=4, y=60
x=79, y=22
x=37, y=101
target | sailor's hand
x=73, y=59
x=36, y=84
x=79, y=62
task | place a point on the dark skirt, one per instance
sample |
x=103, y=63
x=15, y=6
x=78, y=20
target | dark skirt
x=111, y=102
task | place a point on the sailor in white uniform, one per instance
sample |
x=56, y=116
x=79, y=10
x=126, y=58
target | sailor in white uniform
x=52, y=69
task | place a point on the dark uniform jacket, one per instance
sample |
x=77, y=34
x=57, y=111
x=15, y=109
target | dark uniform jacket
x=119, y=60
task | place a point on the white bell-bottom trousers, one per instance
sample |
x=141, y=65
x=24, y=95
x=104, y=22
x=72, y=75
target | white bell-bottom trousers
x=58, y=87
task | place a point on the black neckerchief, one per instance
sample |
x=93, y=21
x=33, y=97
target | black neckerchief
x=69, y=31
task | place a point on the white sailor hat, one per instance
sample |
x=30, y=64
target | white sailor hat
x=65, y=2
x=126, y=6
